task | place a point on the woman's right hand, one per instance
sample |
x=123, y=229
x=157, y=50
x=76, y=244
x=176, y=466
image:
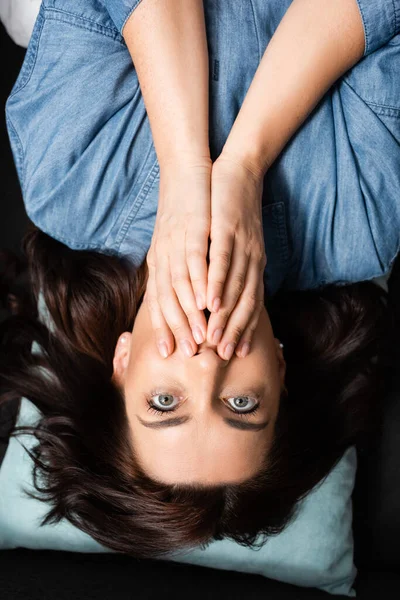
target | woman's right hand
x=177, y=259
x=235, y=292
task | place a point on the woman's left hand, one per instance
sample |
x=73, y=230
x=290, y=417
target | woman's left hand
x=237, y=255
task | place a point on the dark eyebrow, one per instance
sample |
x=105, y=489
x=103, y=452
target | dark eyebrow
x=164, y=423
x=236, y=423
x=245, y=425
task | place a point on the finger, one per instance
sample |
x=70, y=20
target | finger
x=233, y=288
x=221, y=248
x=244, y=345
x=196, y=260
x=181, y=284
x=246, y=311
x=171, y=309
x=163, y=334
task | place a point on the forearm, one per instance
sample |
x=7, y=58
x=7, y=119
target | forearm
x=315, y=43
x=168, y=44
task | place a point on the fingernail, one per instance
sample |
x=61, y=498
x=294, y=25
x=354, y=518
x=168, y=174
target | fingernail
x=163, y=348
x=245, y=349
x=200, y=302
x=187, y=348
x=198, y=335
x=229, y=351
x=216, y=304
x=217, y=335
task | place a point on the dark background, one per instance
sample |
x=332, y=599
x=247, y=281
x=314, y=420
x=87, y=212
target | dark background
x=13, y=219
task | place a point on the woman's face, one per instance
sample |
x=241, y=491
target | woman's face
x=203, y=434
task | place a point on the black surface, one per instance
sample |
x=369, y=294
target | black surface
x=63, y=576
x=13, y=219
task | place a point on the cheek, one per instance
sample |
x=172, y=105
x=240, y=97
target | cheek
x=263, y=341
x=143, y=339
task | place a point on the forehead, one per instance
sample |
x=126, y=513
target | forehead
x=200, y=453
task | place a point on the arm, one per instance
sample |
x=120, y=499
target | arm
x=168, y=44
x=315, y=43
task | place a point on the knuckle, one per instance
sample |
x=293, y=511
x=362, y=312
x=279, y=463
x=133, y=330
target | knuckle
x=217, y=281
x=177, y=329
x=198, y=280
x=178, y=278
x=223, y=259
x=238, y=283
x=195, y=253
x=163, y=299
x=235, y=333
x=192, y=316
x=252, y=301
x=223, y=314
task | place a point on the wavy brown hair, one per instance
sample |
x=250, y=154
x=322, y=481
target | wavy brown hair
x=333, y=340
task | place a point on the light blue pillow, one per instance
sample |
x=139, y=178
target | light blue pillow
x=315, y=550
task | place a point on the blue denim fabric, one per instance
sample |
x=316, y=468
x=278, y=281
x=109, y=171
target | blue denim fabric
x=89, y=173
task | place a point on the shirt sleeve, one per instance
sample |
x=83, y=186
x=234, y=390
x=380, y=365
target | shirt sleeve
x=381, y=22
x=121, y=10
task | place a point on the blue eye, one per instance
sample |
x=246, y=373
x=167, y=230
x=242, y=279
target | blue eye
x=243, y=404
x=162, y=403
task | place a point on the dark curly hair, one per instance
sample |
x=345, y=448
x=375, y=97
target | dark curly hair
x=333, y=341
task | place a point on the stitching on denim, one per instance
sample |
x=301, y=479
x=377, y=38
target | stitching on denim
x=276, y=211
x=370, y=103
x=366, y=49
x=129, y=14
x=56, y=14
x=385, y=109
x=256, y=30
x=21, y=159
x=146, y=188
x=31, y=55
x=122, y=232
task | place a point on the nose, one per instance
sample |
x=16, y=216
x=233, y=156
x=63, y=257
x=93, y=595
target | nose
x=207, y=358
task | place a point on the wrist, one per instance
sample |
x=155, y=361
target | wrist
x=186, y=161
x=250, y=160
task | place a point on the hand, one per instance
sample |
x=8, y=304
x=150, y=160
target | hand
x=235, y=289
x=177, y=258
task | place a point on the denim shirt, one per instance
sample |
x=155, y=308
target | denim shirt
x=89, y=174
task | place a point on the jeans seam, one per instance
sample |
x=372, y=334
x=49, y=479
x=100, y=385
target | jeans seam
x=143, y=194
x=124, y=228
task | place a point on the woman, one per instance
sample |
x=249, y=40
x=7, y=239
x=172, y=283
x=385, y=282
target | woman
x=241, y=158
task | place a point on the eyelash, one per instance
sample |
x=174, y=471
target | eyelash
x=157, y=411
